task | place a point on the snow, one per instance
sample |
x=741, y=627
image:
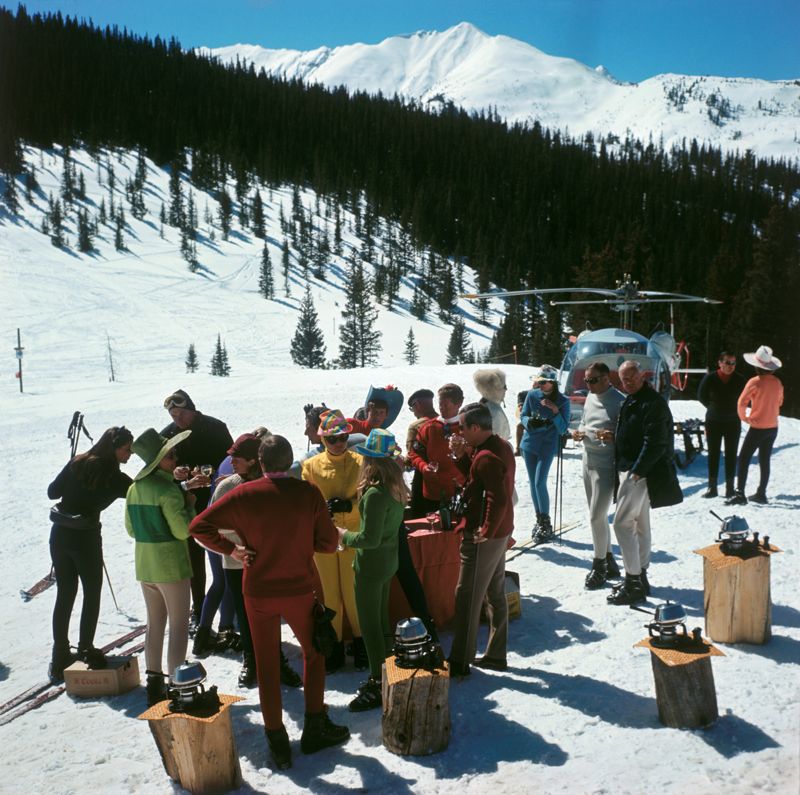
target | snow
x=471, y=69
x=575, y=713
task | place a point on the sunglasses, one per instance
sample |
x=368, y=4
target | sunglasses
x=593, y=380
x=339, y=439
x=728, y=362
x=175, y=402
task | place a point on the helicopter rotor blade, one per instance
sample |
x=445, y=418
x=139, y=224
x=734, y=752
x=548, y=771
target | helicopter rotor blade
x=679, y=296
x=543, y=291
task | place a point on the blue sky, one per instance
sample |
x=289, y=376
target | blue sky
x=634, y=39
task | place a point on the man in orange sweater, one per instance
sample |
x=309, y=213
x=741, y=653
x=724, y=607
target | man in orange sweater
x=763, y=395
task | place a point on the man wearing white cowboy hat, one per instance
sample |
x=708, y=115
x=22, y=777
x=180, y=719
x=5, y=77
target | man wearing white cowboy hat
x=758, y=406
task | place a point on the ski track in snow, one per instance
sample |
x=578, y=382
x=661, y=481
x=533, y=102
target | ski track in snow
x=576, y=713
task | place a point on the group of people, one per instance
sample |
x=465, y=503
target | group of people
x=286, y=535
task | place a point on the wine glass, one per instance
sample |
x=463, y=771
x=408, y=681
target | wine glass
x=207, y=470
x=601, y=436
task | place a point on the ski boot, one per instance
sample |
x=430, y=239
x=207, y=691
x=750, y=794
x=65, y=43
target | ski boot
x=612, y=569
x=645, y=581
x=598, y=576
x=738, y=498
x=710, y=492
x=205, y=642
x=320, y=732
x=545, y=534
x=279, y=748
x=629, y=592
x=369, y=696
x=94, y=658
x=760, y=498
x=227, y=640
x=61, y=658
x=156, y=687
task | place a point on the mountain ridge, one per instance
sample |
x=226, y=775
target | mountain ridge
x=468, y=68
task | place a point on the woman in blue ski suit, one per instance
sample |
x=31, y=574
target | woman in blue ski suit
x=545, y=418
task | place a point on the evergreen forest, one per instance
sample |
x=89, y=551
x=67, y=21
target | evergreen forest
x=523, y=206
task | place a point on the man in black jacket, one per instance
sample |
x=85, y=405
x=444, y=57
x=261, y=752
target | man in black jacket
x=207, y=444
x=646, y=469
x=719, y=392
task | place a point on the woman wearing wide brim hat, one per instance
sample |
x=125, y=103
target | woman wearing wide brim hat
x=759, y=406
x=157, y=516
x=335, y=473
x=382, y=498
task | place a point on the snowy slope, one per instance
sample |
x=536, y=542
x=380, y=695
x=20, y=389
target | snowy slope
x=476, y=71
x=575, y=714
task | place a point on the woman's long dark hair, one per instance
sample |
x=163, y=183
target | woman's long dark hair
x=98, y=464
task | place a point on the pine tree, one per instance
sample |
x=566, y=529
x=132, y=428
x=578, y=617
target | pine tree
x=225, y=213
x=10, y=195
x=359, y=341
x=266, y=283
x=55, y=220
x=308, y=348
x=285, y=265
x=85, y=243
x=420, y=303
x=411, y=352
x=191, y=359
x=219, y=361
x=258, y=216
x=175, y=213
x=459, y=350
x=119, y=240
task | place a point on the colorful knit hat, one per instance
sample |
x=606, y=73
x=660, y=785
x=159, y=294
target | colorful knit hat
x=333, y=423
x=379, y=444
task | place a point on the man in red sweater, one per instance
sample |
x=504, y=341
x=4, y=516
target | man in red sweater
x=282, y=521
x=430, y=453
x=486, y=523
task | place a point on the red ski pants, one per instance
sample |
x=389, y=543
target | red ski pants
x=264, y=614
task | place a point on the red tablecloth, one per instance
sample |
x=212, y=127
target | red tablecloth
x=437, y=561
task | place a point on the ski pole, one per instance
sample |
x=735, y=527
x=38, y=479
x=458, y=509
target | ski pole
x=111, y=587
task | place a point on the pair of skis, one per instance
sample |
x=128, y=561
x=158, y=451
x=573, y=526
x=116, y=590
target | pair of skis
x=38, y=587
x=46, y=691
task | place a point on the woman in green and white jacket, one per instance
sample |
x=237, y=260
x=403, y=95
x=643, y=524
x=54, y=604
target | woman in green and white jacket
x=382, y=497
x=157, y=515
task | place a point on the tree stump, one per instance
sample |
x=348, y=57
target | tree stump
x=685, y=691
x=416, y=709
x=199, y=753
x=736, y=595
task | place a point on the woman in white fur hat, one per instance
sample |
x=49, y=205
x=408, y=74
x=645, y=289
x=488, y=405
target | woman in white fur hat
x=491, y=385
x=758, y=406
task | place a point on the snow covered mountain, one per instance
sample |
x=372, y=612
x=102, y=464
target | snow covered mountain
x=473, y=70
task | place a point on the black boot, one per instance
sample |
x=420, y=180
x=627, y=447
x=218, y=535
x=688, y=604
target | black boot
x=279, y=748
x=645, y=581
x=227, y=639
x=759, y=498
x=545, y=533
x=612, y=569
x=335, y=660
x=537, y=527
x=319, y=732
x=369, y=696
x=738, y=498
x=156, y=687
x=729, y=490
x=205, y=641
x=289, y=676
x=360, y=659
x=94, y=658
x=247, y=676
x=711, y=491
x=597, y=577
x=61, y=658
x=629, y=592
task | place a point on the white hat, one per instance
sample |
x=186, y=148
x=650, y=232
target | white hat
x=763, y=358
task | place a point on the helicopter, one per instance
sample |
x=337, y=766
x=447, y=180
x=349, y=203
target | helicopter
x=660, y=356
